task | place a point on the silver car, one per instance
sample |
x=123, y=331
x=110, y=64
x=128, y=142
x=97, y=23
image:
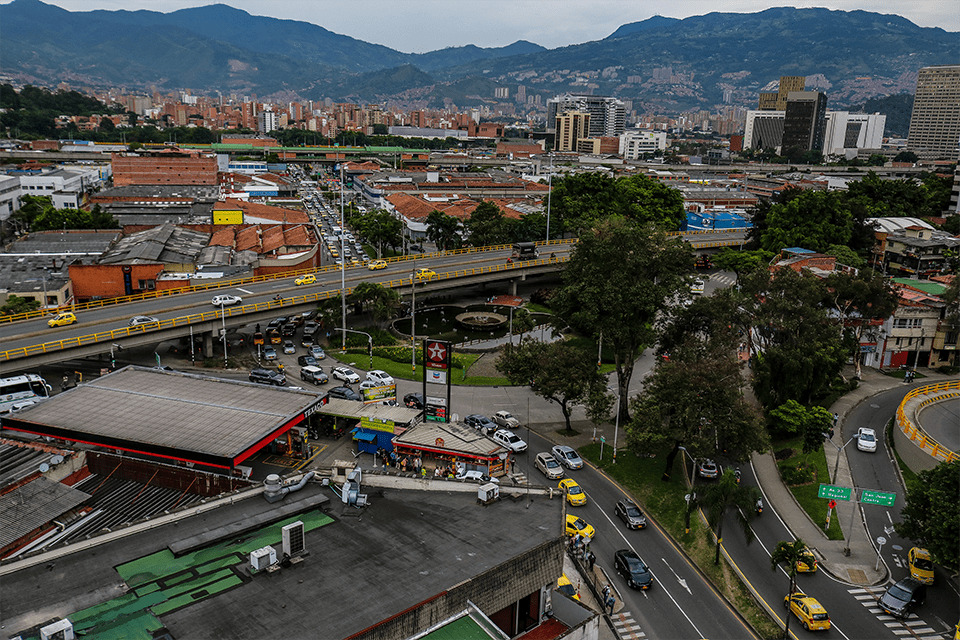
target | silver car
x=567, y=456
x=549, y=466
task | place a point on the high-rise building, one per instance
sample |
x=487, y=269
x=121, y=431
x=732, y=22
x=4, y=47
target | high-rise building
x=804, y=121
x=763, y=130
x=777, y=100
x=570, y=128
x=847, y=133
x=935, y=121
x=266, y=121
x=608, y=116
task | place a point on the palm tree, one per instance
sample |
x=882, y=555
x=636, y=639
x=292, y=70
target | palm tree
x=717, y=498
x=788, y=553
x=443, y=230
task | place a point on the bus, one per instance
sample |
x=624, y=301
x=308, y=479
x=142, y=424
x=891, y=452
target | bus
x=17, y=392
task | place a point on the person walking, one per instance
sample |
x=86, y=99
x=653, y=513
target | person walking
x=591, y=560
x=611, y=602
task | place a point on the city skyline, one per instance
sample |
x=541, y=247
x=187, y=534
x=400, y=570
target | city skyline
x=499, y=23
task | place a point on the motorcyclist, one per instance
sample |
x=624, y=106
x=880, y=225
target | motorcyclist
x=759, y=506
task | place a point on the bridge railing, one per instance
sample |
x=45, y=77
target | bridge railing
x=937, y=391
x=207, y=316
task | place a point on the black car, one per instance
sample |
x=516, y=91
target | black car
x=344, y=393
x=631, y=515
x=288, y=330
x=481, y=423
x=629, y=565
x=903, y=597
x=413, y=400
x=307, y=361
x=268, y=376
x=276, y=323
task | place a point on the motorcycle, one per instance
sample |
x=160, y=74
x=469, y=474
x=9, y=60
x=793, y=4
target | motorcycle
x=737, y=475
x=759, y=507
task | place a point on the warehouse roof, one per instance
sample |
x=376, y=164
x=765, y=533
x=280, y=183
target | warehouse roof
x=169, y=414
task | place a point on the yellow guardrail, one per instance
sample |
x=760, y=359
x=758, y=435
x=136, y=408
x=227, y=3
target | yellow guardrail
x=108, y=336
x=219, y=284
x=915, y=433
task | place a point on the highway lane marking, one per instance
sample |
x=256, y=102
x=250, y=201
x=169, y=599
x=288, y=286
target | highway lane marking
x=241, y=289
x=683, y=583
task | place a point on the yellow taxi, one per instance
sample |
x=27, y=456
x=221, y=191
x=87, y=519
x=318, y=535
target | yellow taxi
x=565, y=587
x=425, y=274
x=576, y=524
x=810, y=613
x=376, y=265
x=921, y=566
x=62, y=319
x=807, y=562
x=575, y=495
x=307, y=279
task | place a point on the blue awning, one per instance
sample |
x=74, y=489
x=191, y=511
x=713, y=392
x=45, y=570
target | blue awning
x=364, y=436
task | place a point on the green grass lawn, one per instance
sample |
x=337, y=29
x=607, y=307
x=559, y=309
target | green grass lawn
x=641, y=476
x=806, y=472
x=403, y=370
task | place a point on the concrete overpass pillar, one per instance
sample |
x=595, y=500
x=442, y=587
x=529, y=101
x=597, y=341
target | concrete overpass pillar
x=513, y=287
x=208, y=344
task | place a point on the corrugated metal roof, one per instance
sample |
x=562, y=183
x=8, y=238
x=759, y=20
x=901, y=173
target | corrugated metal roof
x=33, y=505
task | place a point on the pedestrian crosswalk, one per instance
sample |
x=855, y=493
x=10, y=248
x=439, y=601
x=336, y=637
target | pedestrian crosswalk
x=912, y=627
x=626, y=627
x=723, y=279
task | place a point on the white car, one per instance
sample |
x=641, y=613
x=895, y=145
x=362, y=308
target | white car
x=381, y=378
x=567, y=456
x=697, y=287
x=866, y=439
x=226, y=300
x=505, y=420
x=510, y=440
x=347, y=375
x=476, y=475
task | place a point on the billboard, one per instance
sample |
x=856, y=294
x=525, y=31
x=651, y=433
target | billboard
x=379, y=394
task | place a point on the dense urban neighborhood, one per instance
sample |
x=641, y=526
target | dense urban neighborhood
x=550, y=354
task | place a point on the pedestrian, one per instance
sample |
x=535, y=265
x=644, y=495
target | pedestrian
x=611, y=601
x=606, y=592
x=836, y=418
x=591, y=559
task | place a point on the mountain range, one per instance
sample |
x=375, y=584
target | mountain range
x=660, y=64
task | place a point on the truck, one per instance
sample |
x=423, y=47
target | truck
x=523, y=251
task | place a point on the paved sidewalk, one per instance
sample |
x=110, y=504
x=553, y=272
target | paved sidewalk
x=857, y=568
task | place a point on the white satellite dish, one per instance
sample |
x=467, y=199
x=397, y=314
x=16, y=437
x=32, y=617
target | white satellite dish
x=57, y=459
x=44, y=467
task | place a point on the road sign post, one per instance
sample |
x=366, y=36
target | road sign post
x=834, y=492
x=883, y=498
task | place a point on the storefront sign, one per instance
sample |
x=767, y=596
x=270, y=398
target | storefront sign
x=379, y=394
x=377, y=424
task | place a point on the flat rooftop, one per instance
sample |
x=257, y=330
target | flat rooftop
x=169, y=414
x=364, y=567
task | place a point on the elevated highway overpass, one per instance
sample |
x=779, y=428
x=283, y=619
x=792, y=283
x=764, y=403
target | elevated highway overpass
x=28, y=341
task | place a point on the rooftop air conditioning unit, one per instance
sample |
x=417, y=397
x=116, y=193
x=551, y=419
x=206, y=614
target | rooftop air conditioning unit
x=59, y=630
x=262, y=558
x=293, y=542
x=487, y=493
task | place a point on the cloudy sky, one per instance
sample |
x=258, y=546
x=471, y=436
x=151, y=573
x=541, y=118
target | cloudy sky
x=416, y=26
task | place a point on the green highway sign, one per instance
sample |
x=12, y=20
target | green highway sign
x=834, y=492
x=877, y=497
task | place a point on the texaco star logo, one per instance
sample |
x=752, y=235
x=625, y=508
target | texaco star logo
x=437, y=351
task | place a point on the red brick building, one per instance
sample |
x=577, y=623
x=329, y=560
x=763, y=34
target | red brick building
x=165, y=167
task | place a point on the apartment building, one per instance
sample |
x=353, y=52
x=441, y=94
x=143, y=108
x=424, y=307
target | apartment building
x=935, y=120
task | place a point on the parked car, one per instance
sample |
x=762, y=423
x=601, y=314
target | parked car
x=567, y=456
x=810, y=613
x=505, y=420
x=347, y=375
x=382, y=378
x=289, y=347
x=413, y=400
x=903, y=597
x=62, y=319
x=314, y=374
x=510, y=440
x=576, y=524
x=481, y=423
x=708, y=469
x=307, y=361
x=629, y=565
x=138, y=320
x=268, y=376
x=921, y=566
x=866, y=439
x=548, y=466
x=479, y=476
x=575, y=495
x=317, y=352
x=565, y=587
x=344, y=393
x=630, y=513
x=269, y=353
x=226, y=300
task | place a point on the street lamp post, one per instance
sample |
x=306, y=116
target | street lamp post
x=223, y=335
x=549, y=193
x=692, y=495
x=839, y=449
x=413, y=319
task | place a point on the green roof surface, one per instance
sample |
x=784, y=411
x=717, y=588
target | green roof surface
x=463, y=628
x=927, y=286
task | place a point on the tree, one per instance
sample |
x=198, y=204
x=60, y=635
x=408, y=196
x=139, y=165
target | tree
x=813, y=220
x=861, y=302
x=15, y=304
x=788, y=554
x=487, y=226
x=443, y=230
x=558, y=371
x=717, y=498
x=523, y=321
x=378, y=228
x=742, y=261
x=931, y=515
x=616, y=282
